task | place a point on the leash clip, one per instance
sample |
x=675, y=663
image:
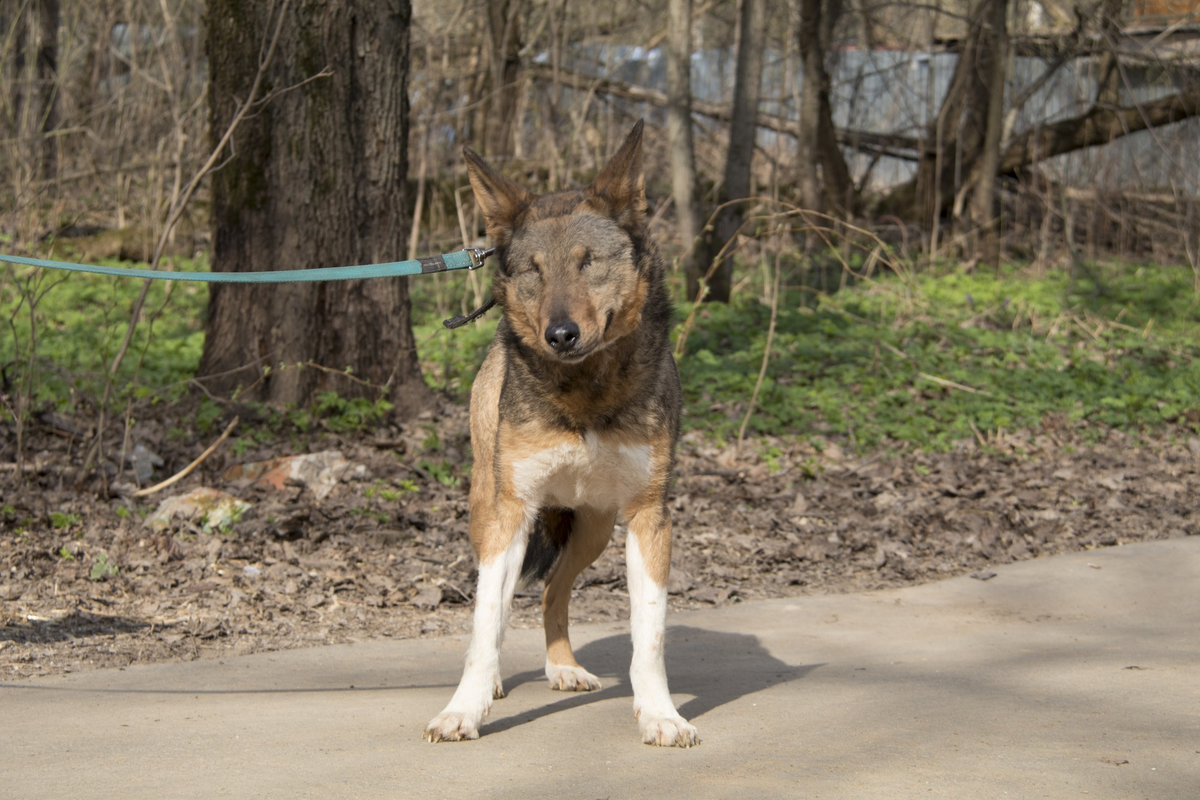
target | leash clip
x=478, y=255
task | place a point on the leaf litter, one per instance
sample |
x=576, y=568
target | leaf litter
x=373, y=542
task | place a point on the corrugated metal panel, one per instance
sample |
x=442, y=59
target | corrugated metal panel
x=900, y=93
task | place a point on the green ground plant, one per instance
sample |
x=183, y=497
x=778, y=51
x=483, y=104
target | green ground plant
x=63, y=331
x=103, y=569
x=60, y=520
x=935, y=359
x=927, y=358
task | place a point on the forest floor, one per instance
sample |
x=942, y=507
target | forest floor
x=376, y=545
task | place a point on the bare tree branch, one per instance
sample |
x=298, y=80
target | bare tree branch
x=1097, y=126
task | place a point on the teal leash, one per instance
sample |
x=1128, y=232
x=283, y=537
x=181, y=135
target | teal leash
x=470, y=258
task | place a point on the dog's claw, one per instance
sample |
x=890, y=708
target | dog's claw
x=668, y=731
x=571, y=679
x=451, y=727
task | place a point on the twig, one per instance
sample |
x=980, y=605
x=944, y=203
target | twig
x=762, y=370
x=38, y=466
x=177, y=477
x=719, y=473
x=1054, y=328
x=416, y=471
x=339, y=372
x=978, y=435
x=953, y=385
x=1085, y=328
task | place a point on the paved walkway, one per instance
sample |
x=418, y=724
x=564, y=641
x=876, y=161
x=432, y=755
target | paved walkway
x=1075, y=676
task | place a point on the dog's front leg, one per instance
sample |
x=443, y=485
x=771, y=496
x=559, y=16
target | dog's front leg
x=480, y=683
x=648, y=563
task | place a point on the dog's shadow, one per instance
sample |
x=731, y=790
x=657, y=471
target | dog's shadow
x=715, y=667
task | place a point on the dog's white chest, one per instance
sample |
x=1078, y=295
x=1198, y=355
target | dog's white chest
x=592, y=472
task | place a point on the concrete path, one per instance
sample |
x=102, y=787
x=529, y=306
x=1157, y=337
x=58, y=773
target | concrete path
x=1076, y=676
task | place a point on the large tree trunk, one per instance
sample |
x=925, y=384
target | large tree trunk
x=984, y=222
x=679, y=133
x=316, y=178
x=819, y=150
x=961, y=126
x=743, y=130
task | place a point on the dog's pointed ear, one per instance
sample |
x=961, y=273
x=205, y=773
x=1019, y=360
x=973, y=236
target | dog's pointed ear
x=621, y=185
x=500, y=200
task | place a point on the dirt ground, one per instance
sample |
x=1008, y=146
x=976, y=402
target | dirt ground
x=87, y=584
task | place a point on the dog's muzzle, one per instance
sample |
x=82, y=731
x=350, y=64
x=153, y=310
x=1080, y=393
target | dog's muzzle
x=562, y=337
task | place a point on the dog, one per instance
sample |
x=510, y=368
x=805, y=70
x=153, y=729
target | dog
x=574, y=422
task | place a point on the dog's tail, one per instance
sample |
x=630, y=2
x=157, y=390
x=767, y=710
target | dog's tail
x=546, y=542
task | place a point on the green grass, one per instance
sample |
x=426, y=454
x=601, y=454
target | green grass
x=917, y=361
x=78, y=321
x=450, y=359
x=876, y=363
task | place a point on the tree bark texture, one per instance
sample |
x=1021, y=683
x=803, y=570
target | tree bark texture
x=679, y=133
x=743, y=130
x=818, y=139
x=961, y=125
x=315, y=177
x=984, y=222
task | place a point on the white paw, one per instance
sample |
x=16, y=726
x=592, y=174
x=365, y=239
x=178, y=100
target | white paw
x=451, y=726
x=571, y=679
x=667, y=731
x=498, y=689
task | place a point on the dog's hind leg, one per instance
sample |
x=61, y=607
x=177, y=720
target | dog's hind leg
x=480, y=683
x=589, y=535
x=648, y=562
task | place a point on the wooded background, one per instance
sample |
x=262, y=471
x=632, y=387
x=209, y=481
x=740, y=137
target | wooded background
x=858, y=134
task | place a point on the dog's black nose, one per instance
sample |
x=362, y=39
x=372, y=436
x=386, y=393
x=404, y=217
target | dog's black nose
x=562, y=336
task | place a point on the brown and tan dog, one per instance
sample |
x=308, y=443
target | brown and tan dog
x=574, y=418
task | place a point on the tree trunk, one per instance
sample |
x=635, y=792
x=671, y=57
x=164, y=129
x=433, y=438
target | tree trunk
x=499, y=111
x=1108, y=68
x=31, y=70
x=743, y=130
x=679, y=133
x=985, y=225
x=961, y=125
x=819, y=148
x=812, y=59
x=47, y=77
x=16, y=19
x=316, y=177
